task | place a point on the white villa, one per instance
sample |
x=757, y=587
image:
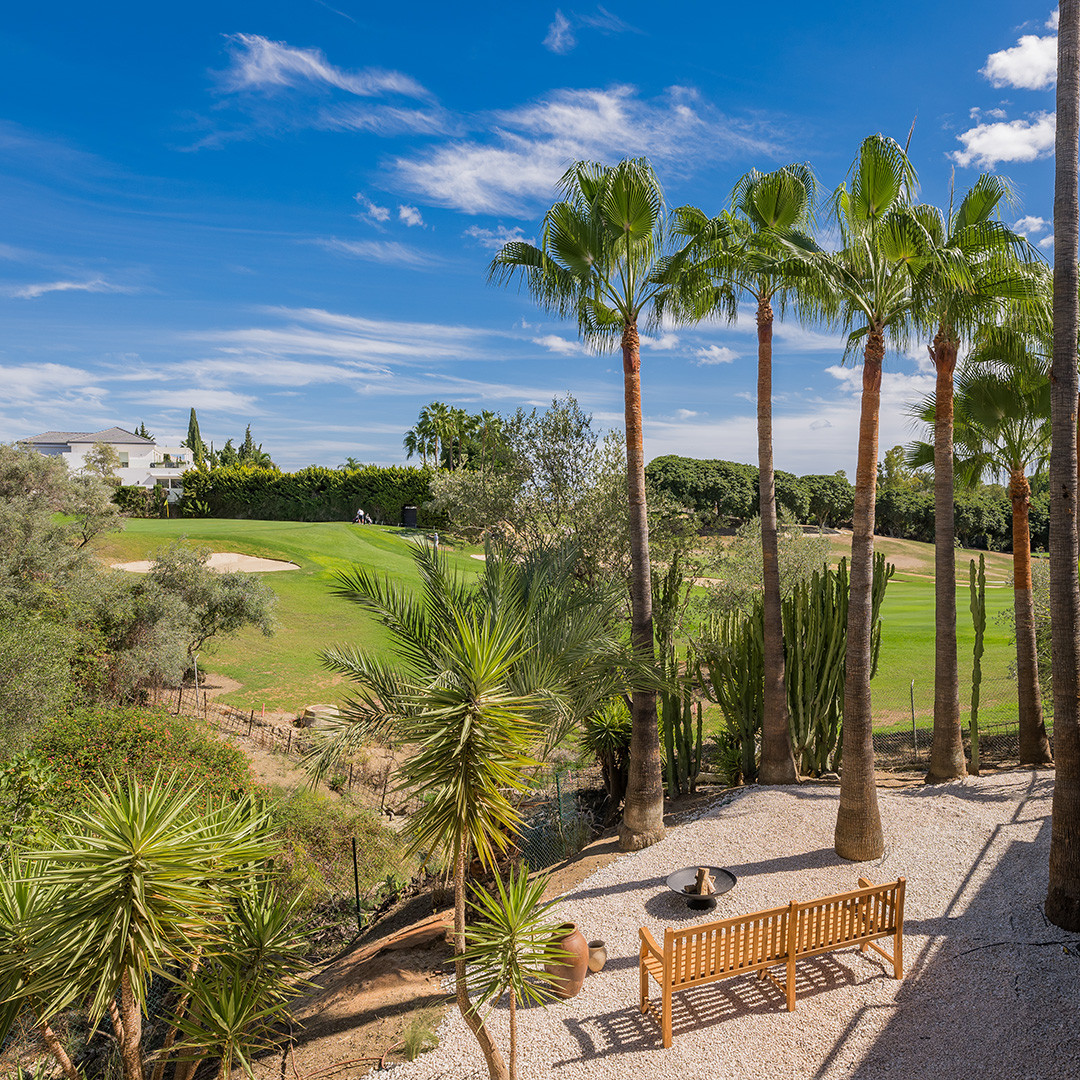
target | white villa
x=143, y=463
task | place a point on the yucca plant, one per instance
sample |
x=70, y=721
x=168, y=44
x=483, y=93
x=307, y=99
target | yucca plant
x=140, y=883
x=509, y=944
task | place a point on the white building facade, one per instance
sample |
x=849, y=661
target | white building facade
x=143, y=462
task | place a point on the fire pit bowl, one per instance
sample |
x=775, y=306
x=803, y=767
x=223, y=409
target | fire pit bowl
x=723, y=881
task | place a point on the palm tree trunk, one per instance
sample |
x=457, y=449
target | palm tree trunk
x=1063, y=892
x=513, y=1036
x=1034, y=747
x=858, y=833
x=57, y=1050
x=947, y=749
x=643, y=813
x=131, y=1042
x=777, y=759
x=495, y=1064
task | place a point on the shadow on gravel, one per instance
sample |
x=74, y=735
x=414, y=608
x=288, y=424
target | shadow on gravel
x=626, y=1030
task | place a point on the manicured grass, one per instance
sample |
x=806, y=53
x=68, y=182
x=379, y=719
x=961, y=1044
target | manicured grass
x=283, y=671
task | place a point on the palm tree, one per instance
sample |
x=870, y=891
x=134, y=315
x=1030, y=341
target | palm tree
x=1063, y=892
x=964, y=274
x=486, y=675
x=606, y=259
x=759, y=249
x=873, y=285
x=1001, y=425
x=490, y=426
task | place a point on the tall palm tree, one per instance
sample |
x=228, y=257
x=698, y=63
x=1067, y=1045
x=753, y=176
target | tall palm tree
x=759, y=249
x=966, y=272
x=484, y=676
x=607, y=259
x=1063, y=892
x=873, y=284
x=1002, y=426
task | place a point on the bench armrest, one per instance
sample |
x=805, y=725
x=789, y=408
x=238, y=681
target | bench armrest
x=649, y=942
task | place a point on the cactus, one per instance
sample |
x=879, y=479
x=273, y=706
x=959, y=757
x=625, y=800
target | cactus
x=682, y=741
x=977, y=584
x=731, y=671
x=815, y=640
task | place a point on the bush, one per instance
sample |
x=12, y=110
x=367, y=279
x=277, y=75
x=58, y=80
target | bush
x=86, y=745
x=312, y=494
x=141, y=502
x=316, y=834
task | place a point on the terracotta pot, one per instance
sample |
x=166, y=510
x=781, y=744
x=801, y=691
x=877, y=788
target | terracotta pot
x=570, y=974
x=597, y=956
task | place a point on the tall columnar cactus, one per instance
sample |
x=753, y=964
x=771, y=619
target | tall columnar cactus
x=815, y=640
x=731, y=672
x=682, y=738
x=977, y=584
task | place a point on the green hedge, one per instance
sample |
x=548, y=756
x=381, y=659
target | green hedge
x=312, y=494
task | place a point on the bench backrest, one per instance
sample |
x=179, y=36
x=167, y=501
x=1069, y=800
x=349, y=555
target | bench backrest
x=742, y=943
x=847, y=918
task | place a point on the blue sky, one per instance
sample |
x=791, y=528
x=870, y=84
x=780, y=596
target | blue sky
x=282, y=213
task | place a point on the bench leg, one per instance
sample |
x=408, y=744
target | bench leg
x=898, y=954
x=791, y=983
x=665, y=1025
x=644, y=989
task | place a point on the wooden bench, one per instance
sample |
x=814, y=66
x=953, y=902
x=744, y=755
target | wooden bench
x=747, y=943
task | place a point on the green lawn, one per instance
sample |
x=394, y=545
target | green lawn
x=283, y=671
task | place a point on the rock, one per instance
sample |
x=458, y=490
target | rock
x=318, y=715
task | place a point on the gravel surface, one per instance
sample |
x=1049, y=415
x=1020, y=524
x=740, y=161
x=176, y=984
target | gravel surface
x=990, y=986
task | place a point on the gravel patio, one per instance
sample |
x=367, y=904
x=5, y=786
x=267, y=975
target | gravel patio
x=990, y=989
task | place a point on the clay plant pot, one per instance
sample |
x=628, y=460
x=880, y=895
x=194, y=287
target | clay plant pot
x=597, y=956
x=570, y=974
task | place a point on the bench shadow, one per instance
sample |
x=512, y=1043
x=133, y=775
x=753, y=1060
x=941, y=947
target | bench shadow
x=627, y=1029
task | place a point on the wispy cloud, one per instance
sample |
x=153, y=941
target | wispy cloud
x=560, y=345
x=410, y=216
x=261, y=64
x=533, y=143
x=1015, y=140
x=382, y=251
x=561, y=36
x=493, y=239
x=371, y=211
x=37, y=289
x=29, y=385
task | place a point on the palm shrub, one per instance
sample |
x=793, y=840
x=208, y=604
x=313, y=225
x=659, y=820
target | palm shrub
x=510, y=941
x=484, y=676
x=606, y=736
x=144, y=882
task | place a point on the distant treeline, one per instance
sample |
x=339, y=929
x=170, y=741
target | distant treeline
x=726, y=493
x=312, y=494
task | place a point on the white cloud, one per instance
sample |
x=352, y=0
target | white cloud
x=1031, y=64
x=561, y=346
x=560, y=36
x=261, y=64
x=493, y=239
x=205, y=399
x=533, y=144
x=1028, y=225
x=685, y=414
x=37, y=289
x=1015, y=140
x=38, y=384
x=820, y=425
x=410, y=215
x=716, y=354
x=370, y=210
x=663, y=343
x=384, y=119
x=1047, y=241
x=382, y=251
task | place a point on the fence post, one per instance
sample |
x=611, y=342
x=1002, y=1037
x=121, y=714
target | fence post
x=288, y=748
x=179, y=699
x=356, y=885
x=251, y=723
x=914, y=735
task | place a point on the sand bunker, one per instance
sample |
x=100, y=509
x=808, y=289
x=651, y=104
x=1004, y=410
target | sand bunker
x=221, y=561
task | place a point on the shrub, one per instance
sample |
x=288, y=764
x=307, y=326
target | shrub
x=87, y=744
